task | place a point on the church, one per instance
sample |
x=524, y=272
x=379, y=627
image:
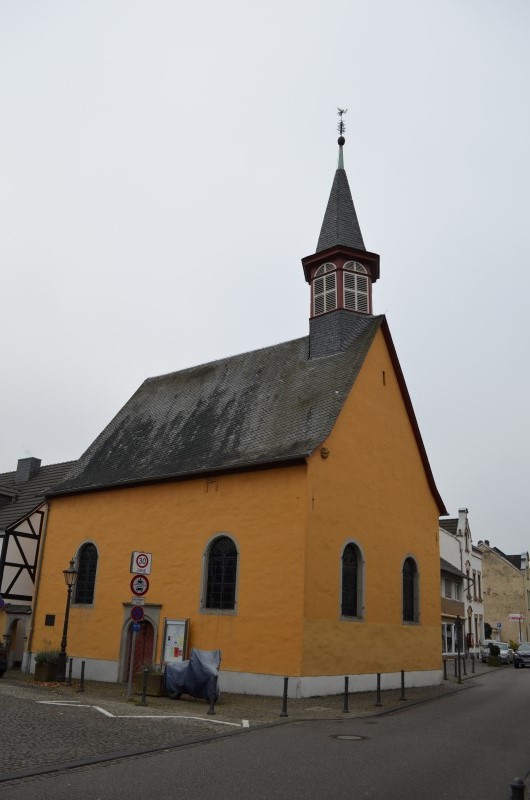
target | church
x=283, y=499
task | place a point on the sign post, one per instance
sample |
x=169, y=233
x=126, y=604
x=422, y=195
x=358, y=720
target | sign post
x=137, y=615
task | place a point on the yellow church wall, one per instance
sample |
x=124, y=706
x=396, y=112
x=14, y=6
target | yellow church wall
x=380, y=499
x=264, y=511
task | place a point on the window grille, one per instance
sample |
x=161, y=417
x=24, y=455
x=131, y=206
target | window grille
x=222, y=573
x=410, y=591
x=87, y=562
x=351, y=581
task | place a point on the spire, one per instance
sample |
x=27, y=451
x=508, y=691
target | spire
x=340, y=226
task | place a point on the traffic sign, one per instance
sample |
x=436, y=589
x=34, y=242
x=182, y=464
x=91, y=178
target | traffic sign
x=137, y=613
x=136, y=627
x=139, y=585
x=137, y=601
x=141, y=563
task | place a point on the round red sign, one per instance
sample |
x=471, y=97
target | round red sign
x=139, y=585
x=137, y=613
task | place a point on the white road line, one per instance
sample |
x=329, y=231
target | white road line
x=76, y=704
x=103, y=711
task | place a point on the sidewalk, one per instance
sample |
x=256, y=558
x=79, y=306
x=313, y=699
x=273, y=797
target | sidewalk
x=257, y=710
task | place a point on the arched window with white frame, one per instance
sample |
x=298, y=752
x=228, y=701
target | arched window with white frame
x=356, y=287
x=325, y=289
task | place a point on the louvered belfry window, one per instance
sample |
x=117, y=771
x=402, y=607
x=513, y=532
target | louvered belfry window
x=222, y=573
x=325, y=289
x=350, y=581
x=356, y=287
x=87, y=562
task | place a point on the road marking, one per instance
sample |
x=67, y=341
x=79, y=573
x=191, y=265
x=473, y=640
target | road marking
x=77, y=704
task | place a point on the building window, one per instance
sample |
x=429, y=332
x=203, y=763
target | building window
x=458, y=591
x=325, y=289
x=356, y=287
x=479, y=586
x=448, y=588
x=221, y=574
x=410, y=591
x=351, y=605
x=87, y=562
x=474, y=584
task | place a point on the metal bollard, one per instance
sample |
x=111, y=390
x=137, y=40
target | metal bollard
x=456, y=668
x=518, y=789
x=378, y=691
x=402, y=685
x=69, y=681
x=464, y=664
x=211, y=710
x=145, y=676
x=82, y=680
x=445, y=668
x=283, y=712
x=345, y=707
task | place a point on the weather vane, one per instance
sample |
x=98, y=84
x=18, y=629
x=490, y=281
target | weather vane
x=341, y=127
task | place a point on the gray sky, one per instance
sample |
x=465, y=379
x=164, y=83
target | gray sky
x=165, y=166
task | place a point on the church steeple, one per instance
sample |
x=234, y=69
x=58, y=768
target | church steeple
x=341, y=272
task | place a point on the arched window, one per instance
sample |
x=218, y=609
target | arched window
x=351, y=581
x=87, y=562
x=410, y=591
x=221, y=574
x=356, y=287
x=325, y=289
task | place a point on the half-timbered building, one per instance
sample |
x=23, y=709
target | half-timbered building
x=23, y=512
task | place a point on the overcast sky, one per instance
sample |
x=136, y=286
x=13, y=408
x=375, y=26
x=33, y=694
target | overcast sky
x=165, y=165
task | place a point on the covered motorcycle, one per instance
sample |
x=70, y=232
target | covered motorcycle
x=196, y=677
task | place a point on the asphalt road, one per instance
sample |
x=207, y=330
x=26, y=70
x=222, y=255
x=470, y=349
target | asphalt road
x=466, y=745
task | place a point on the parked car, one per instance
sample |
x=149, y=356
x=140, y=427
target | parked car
x=505, y=654
x=521, y=657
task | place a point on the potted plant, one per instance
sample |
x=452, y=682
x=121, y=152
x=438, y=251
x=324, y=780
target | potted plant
x=46, y=665
x=494, y=659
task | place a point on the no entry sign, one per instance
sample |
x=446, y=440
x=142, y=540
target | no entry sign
x=137, y=613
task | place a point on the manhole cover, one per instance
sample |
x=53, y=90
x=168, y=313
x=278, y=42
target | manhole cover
x=348, y=737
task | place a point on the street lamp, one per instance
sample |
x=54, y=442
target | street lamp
x=70, y=576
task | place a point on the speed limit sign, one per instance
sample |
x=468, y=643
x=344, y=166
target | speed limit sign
x=141, y=563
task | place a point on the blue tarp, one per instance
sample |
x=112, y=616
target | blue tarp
x=197, y=677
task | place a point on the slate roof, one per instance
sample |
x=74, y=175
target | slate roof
x=515, y=560
x=446, y=566
x=340, y=225
x=264, y=407
x=450, y=525
x=31, y=493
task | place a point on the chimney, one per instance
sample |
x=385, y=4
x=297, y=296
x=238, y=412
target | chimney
x=27, y=468
x=524, y=560
x=487, y=542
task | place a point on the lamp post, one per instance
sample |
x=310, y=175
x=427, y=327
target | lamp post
x=70, y=576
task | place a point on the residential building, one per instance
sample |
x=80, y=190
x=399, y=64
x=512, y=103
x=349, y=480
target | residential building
x=263, y=488
x=506, y=589
x=461, y=590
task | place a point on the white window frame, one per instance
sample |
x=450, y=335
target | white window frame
x=357, y=293
x=325, y=289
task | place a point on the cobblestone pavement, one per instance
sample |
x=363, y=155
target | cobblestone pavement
x=53, y=724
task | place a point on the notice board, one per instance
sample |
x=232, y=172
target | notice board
x=176, y=633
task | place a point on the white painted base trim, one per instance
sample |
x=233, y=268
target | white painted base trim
x=320, y=685
x=96, y=669
x=272, y=685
